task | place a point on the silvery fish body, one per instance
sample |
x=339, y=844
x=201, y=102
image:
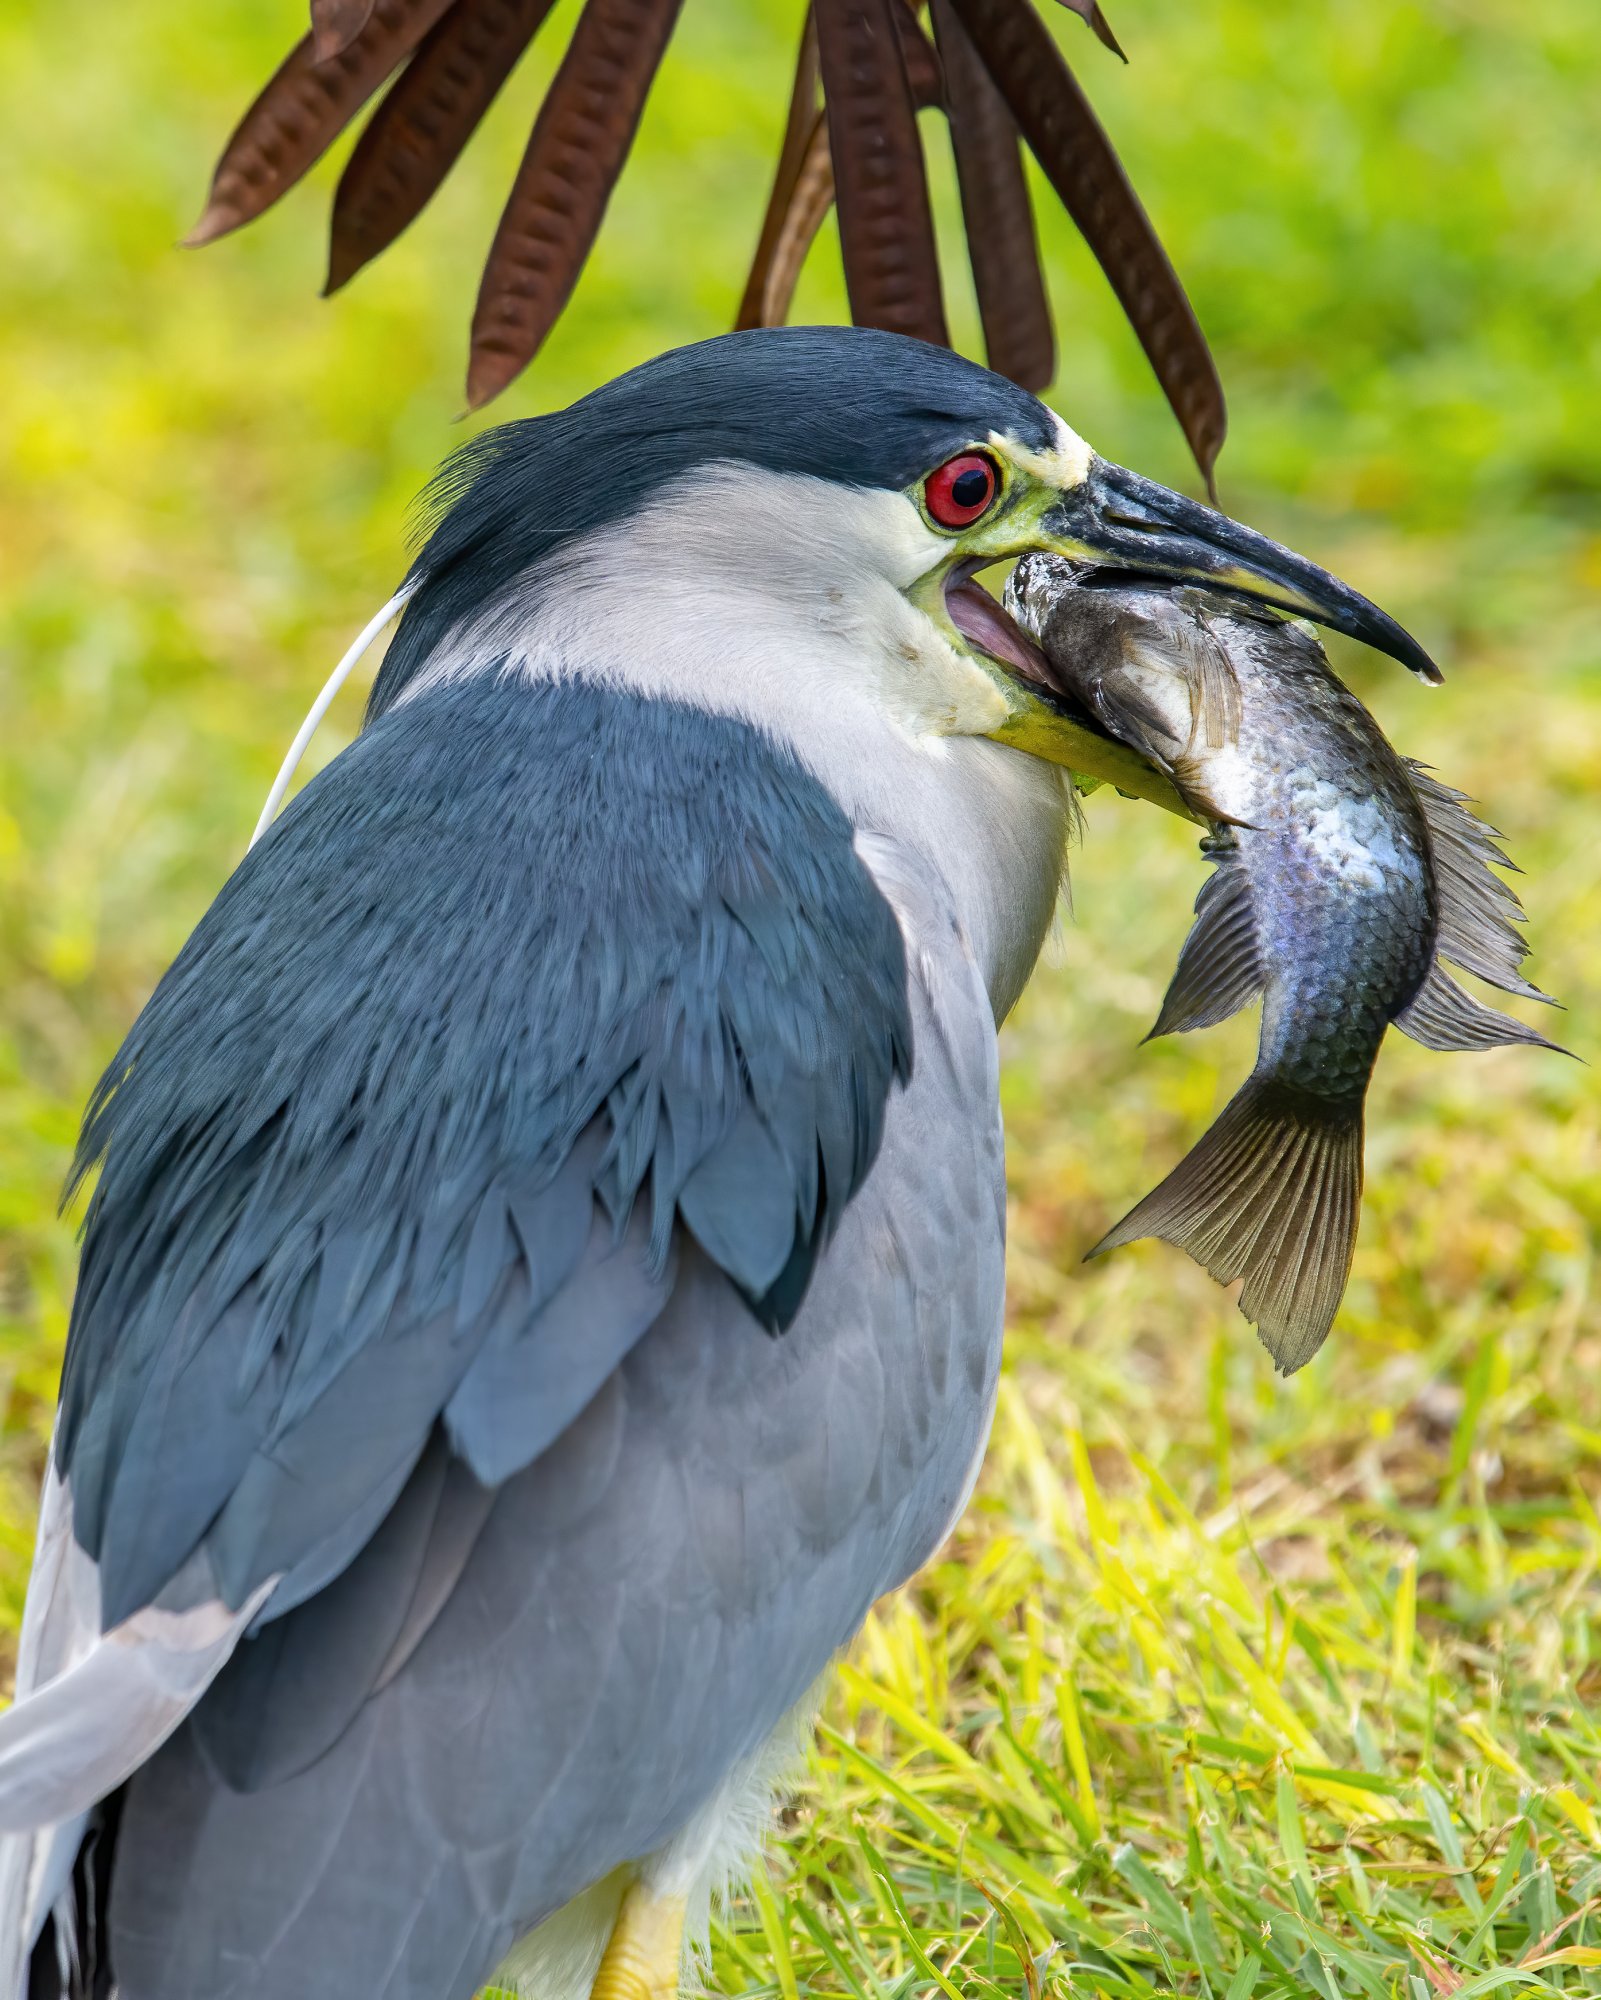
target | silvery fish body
x=1343, y=874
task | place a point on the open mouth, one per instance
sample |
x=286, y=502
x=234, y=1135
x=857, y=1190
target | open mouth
x=984, y=622
x=1053, y=724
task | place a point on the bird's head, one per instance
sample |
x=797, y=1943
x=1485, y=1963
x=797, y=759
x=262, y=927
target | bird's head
x=816, y=504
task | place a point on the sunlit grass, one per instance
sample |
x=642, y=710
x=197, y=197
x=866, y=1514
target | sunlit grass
x=1227, y=1685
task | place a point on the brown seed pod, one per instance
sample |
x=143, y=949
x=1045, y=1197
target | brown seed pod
x=996, y=210
x=886, y=228
x=1067, y=140
x=575, y=153
x=1089, y=10
x=415, y=136
x=335, y=24
x=775, y=274
x=302, y=110
x=923, y=73
x=882, y=69
x=801, y=124
x=814, y=197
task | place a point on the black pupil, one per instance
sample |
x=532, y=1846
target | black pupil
x=972, y=487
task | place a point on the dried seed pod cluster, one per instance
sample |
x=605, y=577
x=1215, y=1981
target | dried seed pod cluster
x=866, y=68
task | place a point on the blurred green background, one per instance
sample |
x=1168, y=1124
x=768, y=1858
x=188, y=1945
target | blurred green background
x=1227, y=1685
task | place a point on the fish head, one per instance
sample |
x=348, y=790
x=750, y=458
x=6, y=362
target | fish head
x=1143, y=657
x=1151, y=549
x=1034, y=486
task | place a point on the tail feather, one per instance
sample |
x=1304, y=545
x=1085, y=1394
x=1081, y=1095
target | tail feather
x=89, y=1707
x=60, y=1625
x=1271, y=1194
x=72, y=1742
x=64, y=1952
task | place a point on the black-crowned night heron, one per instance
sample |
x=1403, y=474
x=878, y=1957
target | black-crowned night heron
x=438, y=1545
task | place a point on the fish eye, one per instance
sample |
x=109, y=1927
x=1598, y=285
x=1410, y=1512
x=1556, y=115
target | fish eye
x=958, y=491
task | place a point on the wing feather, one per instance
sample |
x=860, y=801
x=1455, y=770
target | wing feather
x=60, y=1621
x=76, y=1739
x=651, y=1595
x=389, y=1194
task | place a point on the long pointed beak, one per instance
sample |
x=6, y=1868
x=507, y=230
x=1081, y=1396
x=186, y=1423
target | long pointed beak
x=1114, y=516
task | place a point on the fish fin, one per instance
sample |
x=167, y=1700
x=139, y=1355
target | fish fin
x=1270, y=1194
x=1220, y=968
x=1214, y=686
x=1479, y=914
x=1186, y=651
x=1133, y=717
x=1441, y=1016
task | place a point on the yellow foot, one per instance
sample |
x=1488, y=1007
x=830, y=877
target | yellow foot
x=647, y=1941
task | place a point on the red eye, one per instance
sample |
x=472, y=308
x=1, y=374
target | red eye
x=958, y=491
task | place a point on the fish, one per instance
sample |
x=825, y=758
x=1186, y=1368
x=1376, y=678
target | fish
x=1345, y=877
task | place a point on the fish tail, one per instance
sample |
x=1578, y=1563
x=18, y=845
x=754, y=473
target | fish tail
x=1270, y=1194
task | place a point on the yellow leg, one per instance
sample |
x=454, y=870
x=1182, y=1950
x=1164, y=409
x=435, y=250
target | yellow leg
x=641, y=1962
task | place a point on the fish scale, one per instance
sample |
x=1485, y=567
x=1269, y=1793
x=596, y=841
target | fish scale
x=1343, y=875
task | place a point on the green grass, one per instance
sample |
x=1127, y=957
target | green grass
x=1226, y=1685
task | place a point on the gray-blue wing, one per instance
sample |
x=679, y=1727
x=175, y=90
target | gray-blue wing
x=535, y=1009
x=521, y=949
x=590, y=1647
x=532, y=985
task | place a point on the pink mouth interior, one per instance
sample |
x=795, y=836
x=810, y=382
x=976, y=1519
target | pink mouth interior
x=982, y=620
